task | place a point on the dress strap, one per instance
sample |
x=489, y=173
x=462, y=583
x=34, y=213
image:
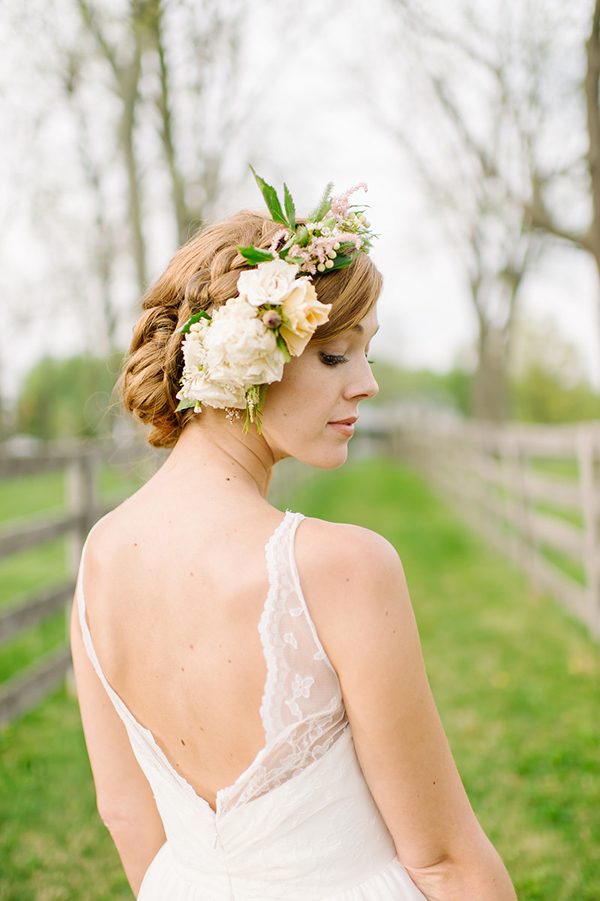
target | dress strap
x=121, y=708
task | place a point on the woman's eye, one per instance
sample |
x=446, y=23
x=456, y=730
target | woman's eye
x=333, y=359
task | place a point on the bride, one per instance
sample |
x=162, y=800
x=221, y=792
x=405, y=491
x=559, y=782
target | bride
x=254, y=701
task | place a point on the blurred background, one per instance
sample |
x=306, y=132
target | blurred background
x=125, y=126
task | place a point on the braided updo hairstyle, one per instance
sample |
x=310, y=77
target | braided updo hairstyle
x=203, y=274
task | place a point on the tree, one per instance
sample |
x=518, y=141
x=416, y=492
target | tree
x=548, y=205
x=68, y=398
x=475, y=143
x=548, y=383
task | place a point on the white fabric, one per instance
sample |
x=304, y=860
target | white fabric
x=300, y=823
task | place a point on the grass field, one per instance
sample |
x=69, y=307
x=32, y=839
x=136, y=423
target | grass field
x=45, y=565
x=517, y=683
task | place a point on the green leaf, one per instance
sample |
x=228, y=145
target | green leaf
x=289, y=207
x=185, y=403
x=283, y=348
x=271, y=199
x=324, y=205
x=255, y=255
x=195, y=318
x=341, y=261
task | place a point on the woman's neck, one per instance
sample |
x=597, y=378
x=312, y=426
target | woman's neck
x=221, y=446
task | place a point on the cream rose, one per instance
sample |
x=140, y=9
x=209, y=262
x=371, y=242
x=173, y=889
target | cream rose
x=302, y=313
x=270, y=282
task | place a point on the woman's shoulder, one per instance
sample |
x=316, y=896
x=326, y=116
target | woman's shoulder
x=354, y=587
x=336, y=549
x=347, y=571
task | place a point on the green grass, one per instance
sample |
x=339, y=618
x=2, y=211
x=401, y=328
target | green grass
x=53, y=846
x=46, y=564
x=516, y=681
x=26, y=495
x=52, y=843
x=22, y=572
x=565, y=467
x=564, y=563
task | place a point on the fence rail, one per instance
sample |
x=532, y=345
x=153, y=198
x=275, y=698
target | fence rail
x=534, y=491
x=84, y=506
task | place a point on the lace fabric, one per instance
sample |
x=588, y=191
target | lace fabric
x=302, y=709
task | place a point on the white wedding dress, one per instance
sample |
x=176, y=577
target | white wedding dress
x=299, y=823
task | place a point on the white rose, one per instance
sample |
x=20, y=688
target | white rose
x=197, y=385
x=193, y=344
x=269, y=282
x=302, y=313
x=240, y=349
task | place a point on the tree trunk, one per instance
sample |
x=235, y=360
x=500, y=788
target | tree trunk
x=129, y=87
x=490, y=394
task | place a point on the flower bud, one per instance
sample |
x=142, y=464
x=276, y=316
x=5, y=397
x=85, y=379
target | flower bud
x=321, y=267
x=272, y=319
x=302, y=236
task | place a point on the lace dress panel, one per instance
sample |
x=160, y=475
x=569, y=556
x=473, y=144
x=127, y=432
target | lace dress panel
x=302, y=709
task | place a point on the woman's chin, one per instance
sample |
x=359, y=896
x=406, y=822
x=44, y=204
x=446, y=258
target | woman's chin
x=331, y=458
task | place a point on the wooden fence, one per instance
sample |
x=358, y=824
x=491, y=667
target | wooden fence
x=84, y=506
x=534, y=491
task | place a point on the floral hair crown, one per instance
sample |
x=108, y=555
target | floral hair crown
x=232, y=353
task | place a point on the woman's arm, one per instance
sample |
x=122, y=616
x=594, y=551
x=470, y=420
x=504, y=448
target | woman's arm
x=360, y=603
x=125, y=800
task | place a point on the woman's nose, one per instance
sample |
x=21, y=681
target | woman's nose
x=364, y=386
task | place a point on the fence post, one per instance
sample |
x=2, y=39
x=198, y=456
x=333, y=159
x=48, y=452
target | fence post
x=82, y=502
x=589, y=502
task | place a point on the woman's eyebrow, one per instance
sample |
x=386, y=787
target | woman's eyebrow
x=360, y=328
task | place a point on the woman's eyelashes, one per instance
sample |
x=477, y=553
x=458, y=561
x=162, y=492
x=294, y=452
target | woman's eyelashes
x=333, y=359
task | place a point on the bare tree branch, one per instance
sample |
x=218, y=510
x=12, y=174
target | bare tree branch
x=127, y=78
x=592, y=76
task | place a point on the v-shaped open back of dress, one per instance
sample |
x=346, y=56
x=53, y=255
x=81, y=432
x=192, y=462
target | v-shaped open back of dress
x=299, y=823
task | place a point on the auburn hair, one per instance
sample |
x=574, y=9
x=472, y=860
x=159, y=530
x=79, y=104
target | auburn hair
x=202, y=274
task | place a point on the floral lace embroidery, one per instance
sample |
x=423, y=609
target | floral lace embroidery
x=302, y=709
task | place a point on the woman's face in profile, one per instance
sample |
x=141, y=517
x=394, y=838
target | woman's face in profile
x=310, y=413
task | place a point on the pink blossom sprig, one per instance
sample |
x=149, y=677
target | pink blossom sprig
x=340, y=205
x=282, y=235
x=335, y=232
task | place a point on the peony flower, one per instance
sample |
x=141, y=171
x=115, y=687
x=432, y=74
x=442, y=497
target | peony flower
x=193, y=344
x=198, y=385
x=240, y=349
x=269, y=282
x=302, y=312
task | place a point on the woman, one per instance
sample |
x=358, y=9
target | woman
x=253, y=696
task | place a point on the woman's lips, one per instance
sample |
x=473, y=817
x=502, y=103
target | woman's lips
x=344, y=426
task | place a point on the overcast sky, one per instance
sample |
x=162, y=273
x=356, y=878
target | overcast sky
x=317, y=125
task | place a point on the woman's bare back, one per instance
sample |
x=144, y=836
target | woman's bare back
x=175, y=582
